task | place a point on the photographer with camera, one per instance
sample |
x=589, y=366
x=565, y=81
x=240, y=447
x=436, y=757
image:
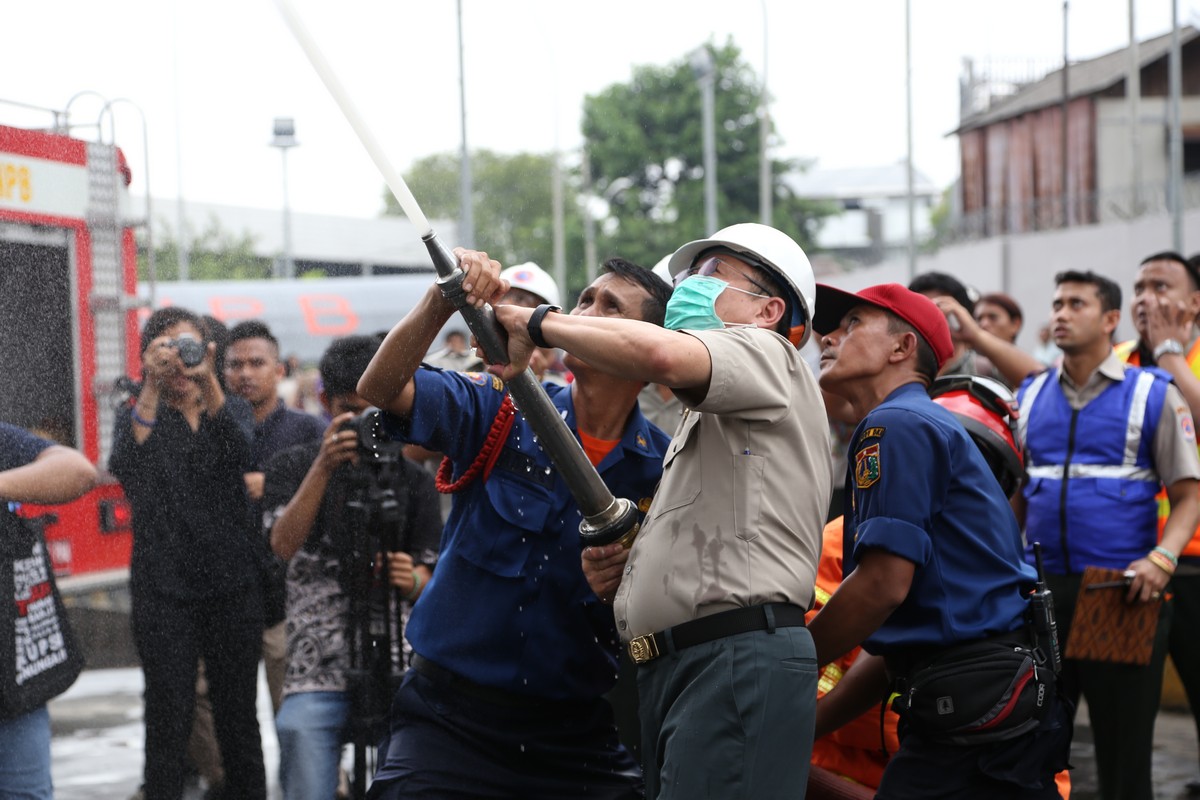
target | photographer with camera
x=180, y=453
x=320, y=501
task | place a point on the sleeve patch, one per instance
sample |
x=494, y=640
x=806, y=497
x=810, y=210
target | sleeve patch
x=485, y=379
x=871, y=433
x=866, y=467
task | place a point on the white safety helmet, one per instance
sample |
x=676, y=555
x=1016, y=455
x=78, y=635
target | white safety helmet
x=533, y=279
x=771, y=249
x=663, y=269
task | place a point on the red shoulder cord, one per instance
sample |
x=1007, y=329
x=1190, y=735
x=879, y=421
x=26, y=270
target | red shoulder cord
x=486, y=457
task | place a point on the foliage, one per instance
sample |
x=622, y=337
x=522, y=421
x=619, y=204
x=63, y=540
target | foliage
x=215, y=254
x=941, y=220
x=512, y=204
x=644, y=139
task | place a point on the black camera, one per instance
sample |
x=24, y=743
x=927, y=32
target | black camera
x=374, y=444
x=191, y=352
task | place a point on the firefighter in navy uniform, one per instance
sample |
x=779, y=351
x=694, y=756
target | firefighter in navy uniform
x=935, y=583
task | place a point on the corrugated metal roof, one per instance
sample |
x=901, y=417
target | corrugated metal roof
x=1083, y=78
x=889, y=180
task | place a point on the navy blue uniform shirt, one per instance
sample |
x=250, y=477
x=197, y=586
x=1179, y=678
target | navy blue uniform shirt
x=508, y=605
x=18, y=446
x=921, y=490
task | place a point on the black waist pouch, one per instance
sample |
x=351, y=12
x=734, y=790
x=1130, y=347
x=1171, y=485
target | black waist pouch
x=976, y=693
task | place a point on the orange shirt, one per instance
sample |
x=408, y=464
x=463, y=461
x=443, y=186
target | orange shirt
x=596, y=449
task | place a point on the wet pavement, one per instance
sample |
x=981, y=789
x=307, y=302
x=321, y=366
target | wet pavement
x=98, y=737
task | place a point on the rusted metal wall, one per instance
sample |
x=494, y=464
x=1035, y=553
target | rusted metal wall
x=1013, y=170
x=1020, y=170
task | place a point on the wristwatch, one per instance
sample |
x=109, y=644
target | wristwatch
x=534, y=326
x=1168, y=346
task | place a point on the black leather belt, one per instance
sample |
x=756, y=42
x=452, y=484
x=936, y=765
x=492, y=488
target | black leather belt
x=452, y=680
x=644, y=649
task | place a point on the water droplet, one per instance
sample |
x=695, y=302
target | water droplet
x=547, y=470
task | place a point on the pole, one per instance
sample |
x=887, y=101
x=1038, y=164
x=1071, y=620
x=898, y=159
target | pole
x=766, y=211
x=557, y=212
x=466, y=214
x=589, y=225
x=1133, y=89
x=559, y=223
x=708, y=100
x=1065, y=179
x=182, y=250
x=1175, y=174
x=908, y=111
x=289, y=267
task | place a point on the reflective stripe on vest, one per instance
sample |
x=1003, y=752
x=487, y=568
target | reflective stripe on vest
x=1055, y=472
x=1128, y=469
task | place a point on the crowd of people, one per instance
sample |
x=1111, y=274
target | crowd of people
x=788, y=618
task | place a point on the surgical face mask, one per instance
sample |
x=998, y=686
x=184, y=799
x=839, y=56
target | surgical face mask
x=692, y=304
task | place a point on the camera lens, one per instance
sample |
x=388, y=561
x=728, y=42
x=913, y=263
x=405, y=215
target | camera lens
x=191, y=352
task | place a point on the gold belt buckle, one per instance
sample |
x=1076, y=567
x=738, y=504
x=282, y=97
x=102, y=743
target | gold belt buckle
x=643, y=649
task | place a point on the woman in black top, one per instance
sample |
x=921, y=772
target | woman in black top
x=180, y=453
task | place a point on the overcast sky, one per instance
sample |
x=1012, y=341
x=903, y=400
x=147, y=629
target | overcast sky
x=211, y=76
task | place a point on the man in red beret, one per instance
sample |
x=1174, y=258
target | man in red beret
x=935, y=586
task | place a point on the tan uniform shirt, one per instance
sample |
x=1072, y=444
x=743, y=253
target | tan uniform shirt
x=663, y=412
x=1174, y=446
x=746, y=481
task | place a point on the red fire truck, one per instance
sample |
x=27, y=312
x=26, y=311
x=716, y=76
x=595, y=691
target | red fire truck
x=68, y=326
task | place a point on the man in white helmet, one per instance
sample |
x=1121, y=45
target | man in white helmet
x=530, y=286
x=711, y=596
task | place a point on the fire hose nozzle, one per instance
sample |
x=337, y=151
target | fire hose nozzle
x=618, y=523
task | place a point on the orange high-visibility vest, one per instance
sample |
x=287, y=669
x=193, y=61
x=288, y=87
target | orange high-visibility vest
x=1128, y=352
x=856, y=750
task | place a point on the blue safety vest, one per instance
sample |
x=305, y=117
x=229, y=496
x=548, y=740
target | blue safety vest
x=1092, y=481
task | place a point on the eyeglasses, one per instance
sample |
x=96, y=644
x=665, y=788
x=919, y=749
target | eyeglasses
x=709, y=265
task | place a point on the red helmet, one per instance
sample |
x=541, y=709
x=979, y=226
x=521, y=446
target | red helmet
x=988, y=410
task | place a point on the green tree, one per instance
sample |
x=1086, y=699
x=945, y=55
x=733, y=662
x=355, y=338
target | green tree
x=215, y=254
x=644, y=139
x=512, y=204
x=941, y=219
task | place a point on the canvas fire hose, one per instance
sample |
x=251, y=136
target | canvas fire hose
x=606, y=519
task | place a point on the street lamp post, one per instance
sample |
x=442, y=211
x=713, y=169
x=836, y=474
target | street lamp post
x=285, y=138
x=705, y=71
x=766, y=213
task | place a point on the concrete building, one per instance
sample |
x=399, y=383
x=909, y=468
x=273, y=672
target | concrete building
x=338, y=246
x=873, y=223
x=1022, y=172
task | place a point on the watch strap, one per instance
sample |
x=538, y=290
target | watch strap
x=534, y=326
x=1173, y=346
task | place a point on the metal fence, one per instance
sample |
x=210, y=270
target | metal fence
x=1115, y=205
